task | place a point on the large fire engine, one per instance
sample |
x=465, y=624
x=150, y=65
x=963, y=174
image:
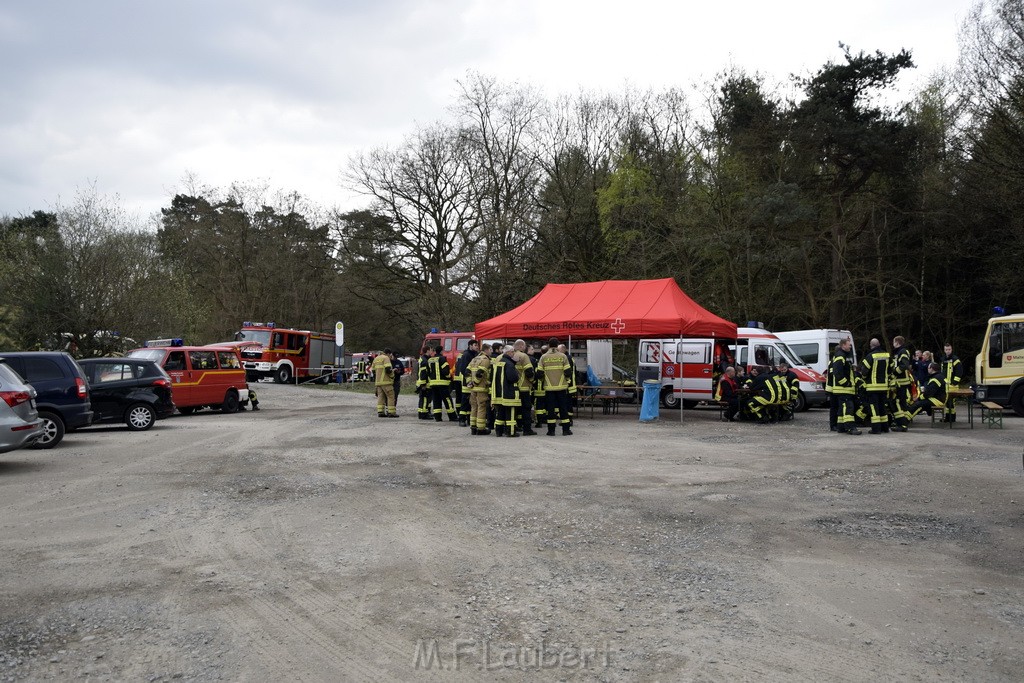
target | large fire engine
x=285, y=354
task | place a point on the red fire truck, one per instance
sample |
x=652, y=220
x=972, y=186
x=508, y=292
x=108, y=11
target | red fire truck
x=285, y=354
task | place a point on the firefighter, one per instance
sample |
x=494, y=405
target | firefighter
x=505, y=393
x=384, y=384
x=789, y=390
x=875, y=366
x=462, y=396
x=841, y=379
x=933, y=395
x=763, y=395
x=556, y=369
x=398, y=368
x=527, y=371
x=422, y=389
x=953, y=373
x=540, y=404
x=725, y=392
x=439, y=385
x=902, y=377
x=478, y=386
x=361, y=369
x=253, y=401
x=496, y=349
x=572, y=383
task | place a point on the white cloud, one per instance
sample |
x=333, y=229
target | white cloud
x=134, y=95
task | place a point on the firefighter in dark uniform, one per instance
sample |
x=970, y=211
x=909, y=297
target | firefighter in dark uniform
x=572, y=382
x=495, y=351
x=439, y=376
x=902, y=377
x=953, y=373
x=505, y=393
x=841, y=378
x=461, y=394
x=763, y=395
x=789, y=390
x=876, y=365
x=422, y=388
x=527, y=372
x=933, y=395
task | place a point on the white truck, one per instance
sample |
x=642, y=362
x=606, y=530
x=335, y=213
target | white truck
x=814, y=347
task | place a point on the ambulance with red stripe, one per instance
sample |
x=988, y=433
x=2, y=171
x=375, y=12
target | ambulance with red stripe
x=688, y=368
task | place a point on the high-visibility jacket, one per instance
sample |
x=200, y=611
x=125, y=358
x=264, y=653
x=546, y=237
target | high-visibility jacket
x=554, y=366
x=840, y=378
x=504, y=382
x=952, y=370
x=524, y=366
x=876, y=367
x=421, y=372
x=438, y=372
x=726, y=389
x=383, y=371
x=935, y=390
x=460, y=365
x=782, y=388
x=478, y=373
x=901, y=367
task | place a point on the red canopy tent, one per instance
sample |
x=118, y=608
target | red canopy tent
x=608, y=309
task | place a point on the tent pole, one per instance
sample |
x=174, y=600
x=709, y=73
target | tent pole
x=679, y=353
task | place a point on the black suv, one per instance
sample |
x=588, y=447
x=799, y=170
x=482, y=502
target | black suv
x=63, y=394
x=130, y=390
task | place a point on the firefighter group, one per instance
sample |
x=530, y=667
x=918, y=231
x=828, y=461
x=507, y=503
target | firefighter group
x=505, y=390
x=881, y=390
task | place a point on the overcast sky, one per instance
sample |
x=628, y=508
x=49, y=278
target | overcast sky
x=129, y=96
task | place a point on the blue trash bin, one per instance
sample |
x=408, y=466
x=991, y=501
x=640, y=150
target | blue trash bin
x=652, y=398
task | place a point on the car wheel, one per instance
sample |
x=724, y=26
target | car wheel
x=139, y=417
x=669, y=399
x=53, y=430
x=284, y=374
x=230, y=404
x=187, y=410
x=801, y=402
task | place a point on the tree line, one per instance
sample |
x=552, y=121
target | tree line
x=835, y=205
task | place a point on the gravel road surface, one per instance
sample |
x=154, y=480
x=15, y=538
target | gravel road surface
x=314, y=541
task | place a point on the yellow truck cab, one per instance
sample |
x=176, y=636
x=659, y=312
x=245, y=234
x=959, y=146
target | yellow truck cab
x=999, y=368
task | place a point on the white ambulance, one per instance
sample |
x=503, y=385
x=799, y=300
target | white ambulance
x=686, y=367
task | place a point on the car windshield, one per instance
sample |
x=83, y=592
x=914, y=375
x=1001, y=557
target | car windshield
x=155, y=355
x=788, y=354
x=262, y=337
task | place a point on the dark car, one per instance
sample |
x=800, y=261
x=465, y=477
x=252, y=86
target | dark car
x=62, y=392
x=130, y=390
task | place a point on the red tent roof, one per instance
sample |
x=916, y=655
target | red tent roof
x=602, y=310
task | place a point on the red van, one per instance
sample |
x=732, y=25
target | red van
x=201, y=376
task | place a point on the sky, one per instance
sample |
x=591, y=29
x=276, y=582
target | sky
x=127, y=98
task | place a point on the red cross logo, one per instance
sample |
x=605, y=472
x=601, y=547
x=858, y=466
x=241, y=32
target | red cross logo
x=618, y=326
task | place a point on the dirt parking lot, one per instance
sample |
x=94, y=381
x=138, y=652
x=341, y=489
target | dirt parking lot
x=314, y=541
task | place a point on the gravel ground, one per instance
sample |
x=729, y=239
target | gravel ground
x=314, y=541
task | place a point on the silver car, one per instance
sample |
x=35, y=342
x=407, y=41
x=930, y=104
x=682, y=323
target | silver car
x=19, y=422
